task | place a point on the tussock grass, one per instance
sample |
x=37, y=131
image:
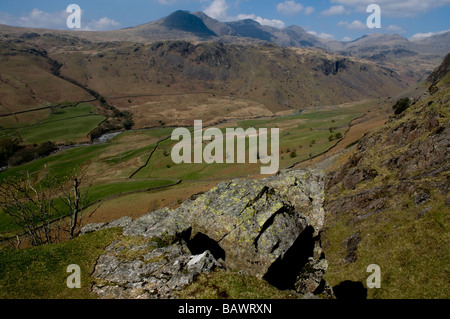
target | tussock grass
x=40, y=272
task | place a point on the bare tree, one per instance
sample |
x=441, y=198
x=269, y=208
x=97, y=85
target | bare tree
x=35, y=204
x=29, y=203
x=75, y=198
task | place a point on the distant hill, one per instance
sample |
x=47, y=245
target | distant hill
x=184, y=21
x=219, y=28
x=414, y=60
x=259, y=78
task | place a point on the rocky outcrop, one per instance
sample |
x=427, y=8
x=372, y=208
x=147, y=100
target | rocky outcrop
x=439, y=74
x=392, y=193
x=267, y=228
x=328, y=67
x=413, y=150
x=157, y=273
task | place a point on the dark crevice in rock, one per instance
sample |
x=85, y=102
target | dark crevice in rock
x=201, y=243
x=257, y=198
x=275, y=247
x=284, y=271
x=250, y=203
x=350, y=290
x=321, y=288
x=269, y=223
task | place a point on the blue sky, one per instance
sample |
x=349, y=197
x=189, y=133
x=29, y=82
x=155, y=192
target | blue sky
x=335, y=19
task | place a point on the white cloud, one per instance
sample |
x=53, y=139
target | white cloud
x=396, y=8
x=40, y=19
x=355, y=25
x=102, y=24
x=321, y=35
x=395, y=28
x=218, y=10
x=309, y=10
x=6, y=18
x=289, y=7
x=335, y=10
x=347, y=39
x=167, y=2
x=422, y=35
x=358, y=25
x=55, y=20
x=419, y=36
x=272, y=23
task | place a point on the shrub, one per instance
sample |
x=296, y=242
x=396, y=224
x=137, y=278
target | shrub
x=402, y=105
x=45, y=149
x=23, y=156
x=7, y=149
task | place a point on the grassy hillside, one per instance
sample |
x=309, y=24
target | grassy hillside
x=179, y=79
x=216, y=81
x=27, y=82
x=110, y=166
x=41, y=272
x=388, y=204
x=64, y=125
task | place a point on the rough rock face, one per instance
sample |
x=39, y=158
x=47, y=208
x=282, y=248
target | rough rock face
x=412, y=152
x=257, y=222
x=268, y=228
x=391, y=193
x=156, y=274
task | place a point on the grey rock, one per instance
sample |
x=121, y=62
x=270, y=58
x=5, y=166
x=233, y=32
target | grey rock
x=203, y=263
x=310, y=296
x=122, y=222
x=254, y=222
x=157, y=274
x=352, y=245
x=161, y=223
x=311, y=276
x=91, y=228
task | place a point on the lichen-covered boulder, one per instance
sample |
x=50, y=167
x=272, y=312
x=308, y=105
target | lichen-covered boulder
x=257, y=221
x=152, y=273
x=267, y=228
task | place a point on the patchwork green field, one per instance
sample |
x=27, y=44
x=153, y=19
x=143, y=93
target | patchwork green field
x=63, y=125
x=124, y=165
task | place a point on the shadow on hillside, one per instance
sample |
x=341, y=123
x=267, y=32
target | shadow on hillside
x=350, y=290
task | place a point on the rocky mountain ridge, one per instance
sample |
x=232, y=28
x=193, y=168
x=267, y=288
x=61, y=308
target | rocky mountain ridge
x=416, y=58
x=198, y=26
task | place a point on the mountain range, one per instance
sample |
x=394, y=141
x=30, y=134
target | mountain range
x=186, y=53
x=413, y=58
x=199, y=26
